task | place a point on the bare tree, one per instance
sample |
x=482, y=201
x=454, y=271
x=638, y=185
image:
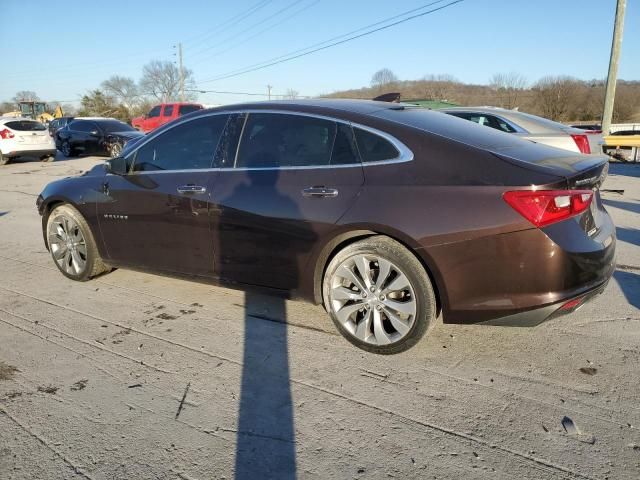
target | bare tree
x=161, y=80
x=123, y=89
x=383, y=77
x=6, y=107
x=509, y=87
x=26, y=96
x=439, y=87
x=291, y=94
x=555, y=95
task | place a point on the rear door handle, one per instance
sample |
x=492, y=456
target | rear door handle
x=320, y=192
x=191, y=189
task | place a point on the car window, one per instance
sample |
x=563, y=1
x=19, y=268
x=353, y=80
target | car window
x=168, y=110
x=187, y=146
x=282, y=140
x=82, y=126
x=25, y=126
x=184, y=109
x=111, y=126
x=374, y=148
x=154, y=112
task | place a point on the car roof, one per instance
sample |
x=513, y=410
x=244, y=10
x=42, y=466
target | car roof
x=17, y=119
x=363, y=107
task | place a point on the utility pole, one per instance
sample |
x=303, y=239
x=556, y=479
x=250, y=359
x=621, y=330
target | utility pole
x=612, y=77
x=269, y=87
x=181, y=72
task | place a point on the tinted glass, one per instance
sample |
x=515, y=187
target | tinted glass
x=374, y=148
x=184, y=109
x=228, y=145
x=82, y=126
x=25, y=126
x=154, y=112
x=277, y=140
x=185, y=147
x=111, y=126
x=168, y=110
x=345, y=151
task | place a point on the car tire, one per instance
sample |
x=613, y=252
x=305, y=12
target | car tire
x=380, y=315
x=48, y=158
x=67, y=150
x=3, y=159
x=72, y=245
x=115, y=150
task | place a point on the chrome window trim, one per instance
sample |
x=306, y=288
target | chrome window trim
x=405, y=154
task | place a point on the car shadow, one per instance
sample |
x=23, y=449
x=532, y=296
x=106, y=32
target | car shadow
x=625, y=169
x=629, y=206
x=265, y=439
x=628, y=235
x=630, y=284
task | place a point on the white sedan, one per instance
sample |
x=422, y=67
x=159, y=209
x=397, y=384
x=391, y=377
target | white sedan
x=23, y=137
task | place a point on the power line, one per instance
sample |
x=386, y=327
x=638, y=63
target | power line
x=232, y=22
x=257, y=24
x=251, y=94
x=336, y=40
x=270, y=27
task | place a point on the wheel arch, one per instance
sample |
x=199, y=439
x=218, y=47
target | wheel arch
x=45, y=210
x=345, y=238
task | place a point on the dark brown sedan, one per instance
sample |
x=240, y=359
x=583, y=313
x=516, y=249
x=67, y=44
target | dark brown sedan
x=387, y=215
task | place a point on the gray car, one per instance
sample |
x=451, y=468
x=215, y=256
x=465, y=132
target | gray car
x=531, y=127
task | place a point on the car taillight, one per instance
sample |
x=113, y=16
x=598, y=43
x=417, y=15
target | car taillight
x=544, y=207
x=5, y=133
x=582, y=142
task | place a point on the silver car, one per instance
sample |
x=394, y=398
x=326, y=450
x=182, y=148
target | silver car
x=531, y=127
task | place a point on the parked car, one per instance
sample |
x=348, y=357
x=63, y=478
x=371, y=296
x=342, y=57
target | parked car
x=23, y=137
x=58, y=123
x=589, y=127
x=95, y=136
x=531, y=127
x=163, y=113
x=623, y=152
x=386, y=215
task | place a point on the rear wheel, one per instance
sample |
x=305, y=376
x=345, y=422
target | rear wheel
x=379, y=296
x=48, y=158
x=72, y=245
x=3, y=160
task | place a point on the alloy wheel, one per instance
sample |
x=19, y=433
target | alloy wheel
x=116, y=150
x=68, y=245
x=66, y=149
x=373, y=299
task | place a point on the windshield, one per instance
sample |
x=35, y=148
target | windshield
x=112, y=126
x=25, y=125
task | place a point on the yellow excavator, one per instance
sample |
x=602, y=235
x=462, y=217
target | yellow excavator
x=36, y=111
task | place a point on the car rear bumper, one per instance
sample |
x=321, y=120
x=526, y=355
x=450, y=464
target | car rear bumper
x=31, y=153
x=524, y=277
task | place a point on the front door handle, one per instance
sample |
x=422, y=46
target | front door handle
x=191, y=189
x=320, y=192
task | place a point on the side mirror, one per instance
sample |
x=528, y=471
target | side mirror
x=117, y=166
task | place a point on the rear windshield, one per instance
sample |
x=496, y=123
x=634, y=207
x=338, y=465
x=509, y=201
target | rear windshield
x=111, y=126
x=25, y=126
x=184, y=109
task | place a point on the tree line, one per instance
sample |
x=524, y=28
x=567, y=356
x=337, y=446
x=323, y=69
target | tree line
x=122, y=97
x=561, y=98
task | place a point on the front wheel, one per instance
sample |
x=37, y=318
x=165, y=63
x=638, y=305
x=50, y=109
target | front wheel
x=66, y=149
x=379, y=295
x=115, y=150
x=72, y=245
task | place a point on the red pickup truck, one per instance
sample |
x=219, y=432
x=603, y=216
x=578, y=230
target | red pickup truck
x=163, y=113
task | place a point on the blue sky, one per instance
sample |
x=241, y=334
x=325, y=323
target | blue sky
x=67, y=48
